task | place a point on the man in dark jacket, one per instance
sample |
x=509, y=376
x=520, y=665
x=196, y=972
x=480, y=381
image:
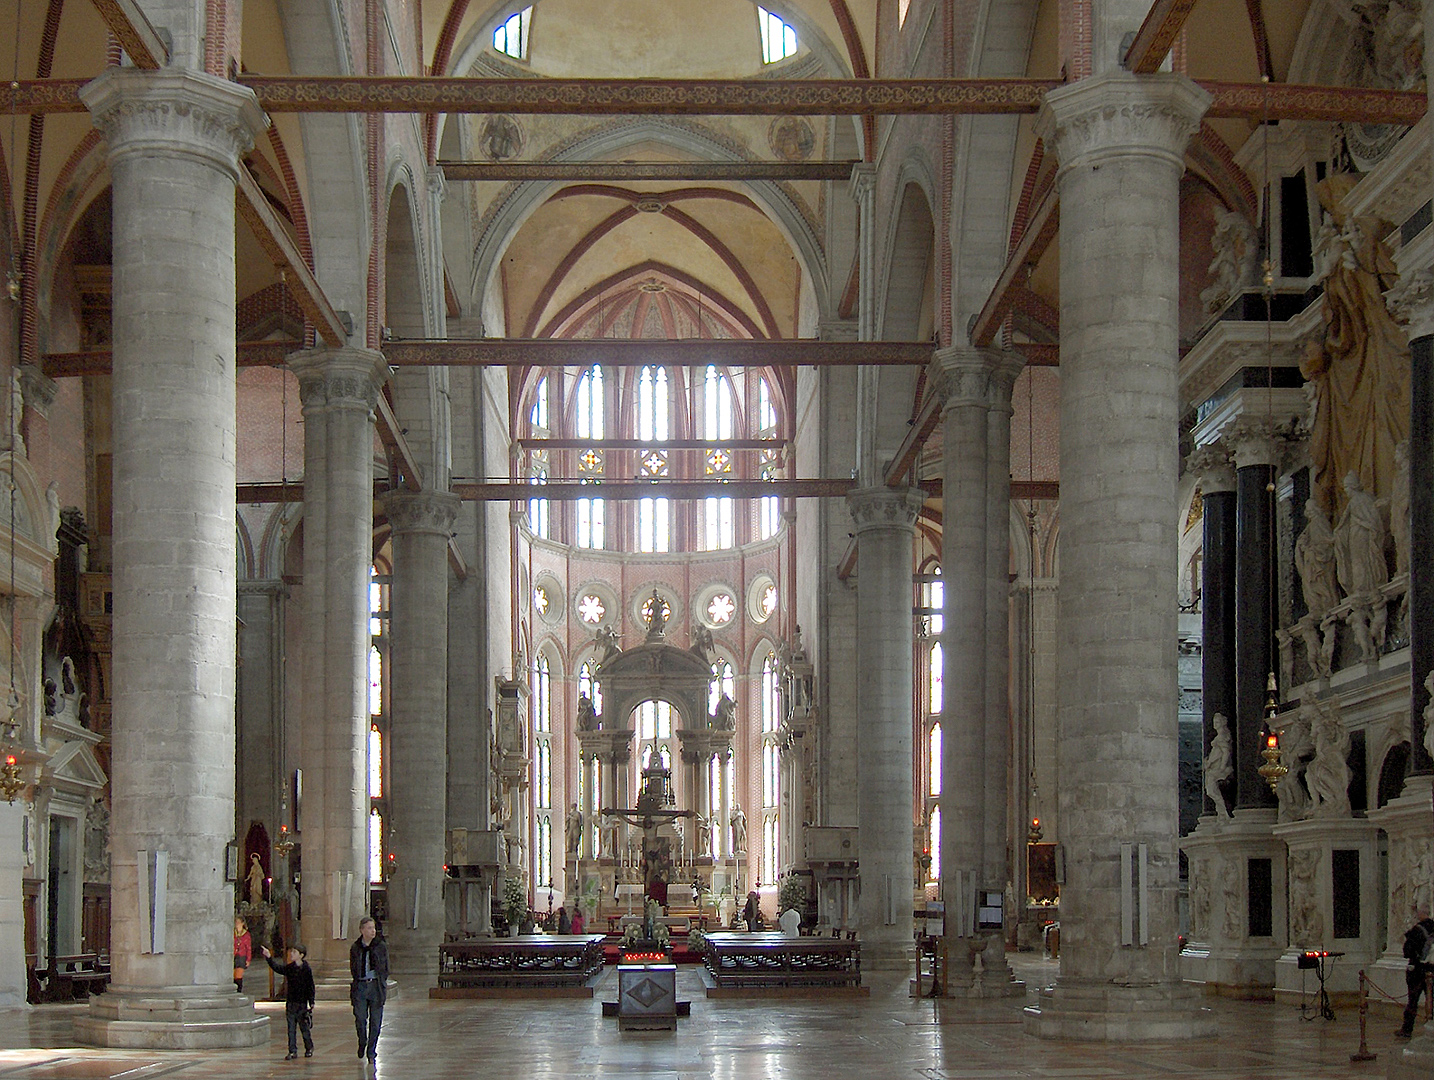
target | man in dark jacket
x=368, y=966
x=1417, y=940
x=298, y=997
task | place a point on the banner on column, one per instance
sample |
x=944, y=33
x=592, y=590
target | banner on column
x=152, y=868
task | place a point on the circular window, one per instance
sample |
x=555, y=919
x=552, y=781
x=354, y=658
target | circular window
x=762, y=598
x=548, y=599
x=594, y=604
x=716, y=606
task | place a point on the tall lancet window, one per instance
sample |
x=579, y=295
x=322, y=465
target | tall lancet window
x=591, y=423
x=719, y=515
x=654, y=516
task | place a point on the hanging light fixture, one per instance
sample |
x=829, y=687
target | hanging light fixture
x=1273, y=770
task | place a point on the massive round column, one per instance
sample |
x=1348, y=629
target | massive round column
x=422, y=521
x=885, y=521
x=339, y=389
x=1120, y=141
x=174, y=140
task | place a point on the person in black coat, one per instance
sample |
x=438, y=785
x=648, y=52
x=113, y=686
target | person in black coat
x=298, y=997
x=1417, y=941
x=368, y=966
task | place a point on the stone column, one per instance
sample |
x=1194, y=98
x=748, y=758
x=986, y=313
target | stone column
x=339, y=389
x=1217, y=594
x=1254, y=448
x=962, y=377
x=418, y=731
x=995, y=844
x=885, y=521
x=1120, y=141
x=174, y=141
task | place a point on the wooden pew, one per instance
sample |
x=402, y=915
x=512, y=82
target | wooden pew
x=76, y=977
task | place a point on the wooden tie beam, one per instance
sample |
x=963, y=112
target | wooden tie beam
x=616, y=171
x=133, y=31
x=1157, y=34
x=717, y=97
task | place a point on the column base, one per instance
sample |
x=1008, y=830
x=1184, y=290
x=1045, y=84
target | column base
x=171, y=1018
x=1102, y=1012
x=886, y=957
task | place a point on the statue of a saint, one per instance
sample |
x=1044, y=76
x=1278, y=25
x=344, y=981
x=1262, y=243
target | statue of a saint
x=1359, y=541
x=656, y=617
x=1327, y=776
x=1219, y=763
x=1429, y=715
x=725, y=718
x=573, y=830
x=607, y=644
x=1314, y=558
x=1361, y=367
x=587, y=717
x=255, y=878
x=702, y=642
x=739, y=830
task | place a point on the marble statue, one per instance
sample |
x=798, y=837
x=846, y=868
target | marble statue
x=1327, y=775
x=1314, y=559
x=1236, y=257
x=1399, y=508
x=704, y=836
x=607, y=644
x=587, y=717
x=725, y=718
x=255, y=878
x=702, y=642
x=573, y=830
x=1359, y=541
x=739, y=830
x=1290, y=792
x=1361, y=366
x=1219, y=763
x=17, y=414
x=1306, y=925
x=657, y=617
x=1232, y=899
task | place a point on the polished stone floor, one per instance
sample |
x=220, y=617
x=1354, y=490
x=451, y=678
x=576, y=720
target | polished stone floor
x=885, y=1035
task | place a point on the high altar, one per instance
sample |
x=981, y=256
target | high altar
x=681, y=833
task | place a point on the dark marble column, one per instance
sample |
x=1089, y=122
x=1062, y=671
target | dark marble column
x=1217, y=590
x=1413, y=301
x=1253, y=445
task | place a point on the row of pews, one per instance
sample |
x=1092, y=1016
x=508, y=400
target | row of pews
x=768, y=960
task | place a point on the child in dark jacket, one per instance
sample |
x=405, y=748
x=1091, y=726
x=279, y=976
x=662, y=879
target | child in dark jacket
x=298, y=997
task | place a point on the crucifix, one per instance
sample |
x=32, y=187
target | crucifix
x=650, y=814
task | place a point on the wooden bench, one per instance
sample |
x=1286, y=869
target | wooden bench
x=76, y=977
x=530, y=961
x=736, y=960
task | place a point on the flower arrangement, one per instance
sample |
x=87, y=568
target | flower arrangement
x=515, y=901
x=696, y=938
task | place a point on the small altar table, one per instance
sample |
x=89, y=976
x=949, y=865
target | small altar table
x=775, y=960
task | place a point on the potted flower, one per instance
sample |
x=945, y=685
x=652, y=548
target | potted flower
x=515, y=904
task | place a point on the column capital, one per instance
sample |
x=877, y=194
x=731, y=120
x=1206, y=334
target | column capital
x=421, y=511
x=1254, y=440
x=969, y=377
x=344, y=376
x=885, y=508
x=1411, y=302
x=1214, y=466
x=174, y=112
x=863, y=181
x=1120, y=114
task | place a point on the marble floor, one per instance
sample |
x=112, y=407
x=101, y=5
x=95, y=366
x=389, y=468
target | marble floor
x=882, y=1036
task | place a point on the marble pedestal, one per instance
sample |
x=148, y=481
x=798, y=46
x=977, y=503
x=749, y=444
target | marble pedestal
x=1311, y=846
x=1222, y=953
